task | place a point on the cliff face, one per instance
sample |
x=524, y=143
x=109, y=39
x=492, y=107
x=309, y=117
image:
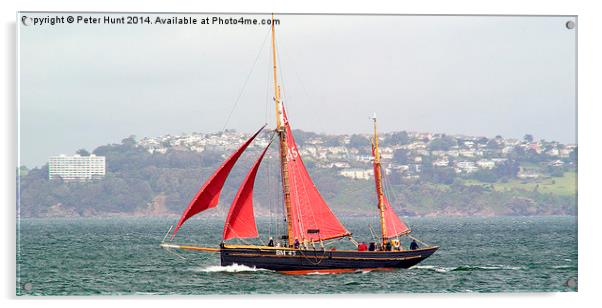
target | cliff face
x=59, y=210
x=156, y=208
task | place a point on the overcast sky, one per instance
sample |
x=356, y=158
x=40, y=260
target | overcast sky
x=82, y=86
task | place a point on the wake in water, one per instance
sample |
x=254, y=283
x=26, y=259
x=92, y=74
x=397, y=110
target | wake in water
x=442, y=269
x=234, y=268
x=237, y=268
x=319, y=273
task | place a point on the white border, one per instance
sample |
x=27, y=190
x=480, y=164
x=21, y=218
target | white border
x=589, y=23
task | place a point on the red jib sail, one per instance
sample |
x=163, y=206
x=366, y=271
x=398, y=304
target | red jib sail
x=241, y=219
x=208, y=195
x=309, y=211
x=394, y=226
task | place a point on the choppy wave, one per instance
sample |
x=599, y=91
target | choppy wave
x=443, y=269
x=439, y=269
x=127, y=266
x=563, y=266
x=234, y=268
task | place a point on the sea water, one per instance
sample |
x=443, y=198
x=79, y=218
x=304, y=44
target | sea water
x=121, y=256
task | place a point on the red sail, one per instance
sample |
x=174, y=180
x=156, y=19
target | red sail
x=208, y=196
x=309, y=211
x=241, y=219
x=394, y=226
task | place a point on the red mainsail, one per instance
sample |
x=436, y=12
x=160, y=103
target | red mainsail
x=240, y=222
x=309, y=211
x=208, y=196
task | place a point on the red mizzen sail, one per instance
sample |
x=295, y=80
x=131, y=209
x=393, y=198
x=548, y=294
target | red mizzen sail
x=208, y=196
x=309, y=211
x=241, y=219
x=394, y=226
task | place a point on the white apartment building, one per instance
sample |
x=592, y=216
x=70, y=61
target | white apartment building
x=76, y=167
x=355, y=173
x=486, y=164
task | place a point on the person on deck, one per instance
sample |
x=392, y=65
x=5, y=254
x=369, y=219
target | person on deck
x=362, y=247
x=271, y=242
x=296, y=244
x=388, y=246
x=372, y=247
x=414, y=245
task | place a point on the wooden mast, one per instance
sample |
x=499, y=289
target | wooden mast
x=280, y=129
x=379, y=183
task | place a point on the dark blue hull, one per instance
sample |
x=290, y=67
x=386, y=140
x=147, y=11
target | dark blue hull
x=304, y=261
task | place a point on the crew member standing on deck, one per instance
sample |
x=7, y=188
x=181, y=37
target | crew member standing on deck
x=296, y=244
x=271, y=242
x=414, y=245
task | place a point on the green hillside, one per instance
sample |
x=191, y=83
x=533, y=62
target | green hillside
x=565, y=185
x=141, y=183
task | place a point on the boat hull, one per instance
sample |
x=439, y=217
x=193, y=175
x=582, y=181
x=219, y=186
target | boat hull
x=301, y=261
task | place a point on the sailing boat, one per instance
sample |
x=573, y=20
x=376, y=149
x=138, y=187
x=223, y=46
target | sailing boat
x=309, y=220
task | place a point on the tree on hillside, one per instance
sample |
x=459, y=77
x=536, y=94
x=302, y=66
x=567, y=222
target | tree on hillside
x=301, y=137
x=401, y=156
x=493, y=144
x=359, y=141
x=555, y=171
x=518, y=153
x=443, y=175
x=532, y=156
x=484, y=175
x=573, y=155
x=427, y=166
x=22, y=170
x=397, y=138
x=442, y=144
x=130, y=141
x=507, y=169
x=332, y=141
x=83, y=152
x=528, y=138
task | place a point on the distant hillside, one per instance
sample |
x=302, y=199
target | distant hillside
x=142, y=183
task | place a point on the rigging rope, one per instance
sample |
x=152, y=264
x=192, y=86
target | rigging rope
x=291, y=64
x=267, y=91
x=421, y=242
x=269, y=164
x=316, y=259
x=245, y=83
